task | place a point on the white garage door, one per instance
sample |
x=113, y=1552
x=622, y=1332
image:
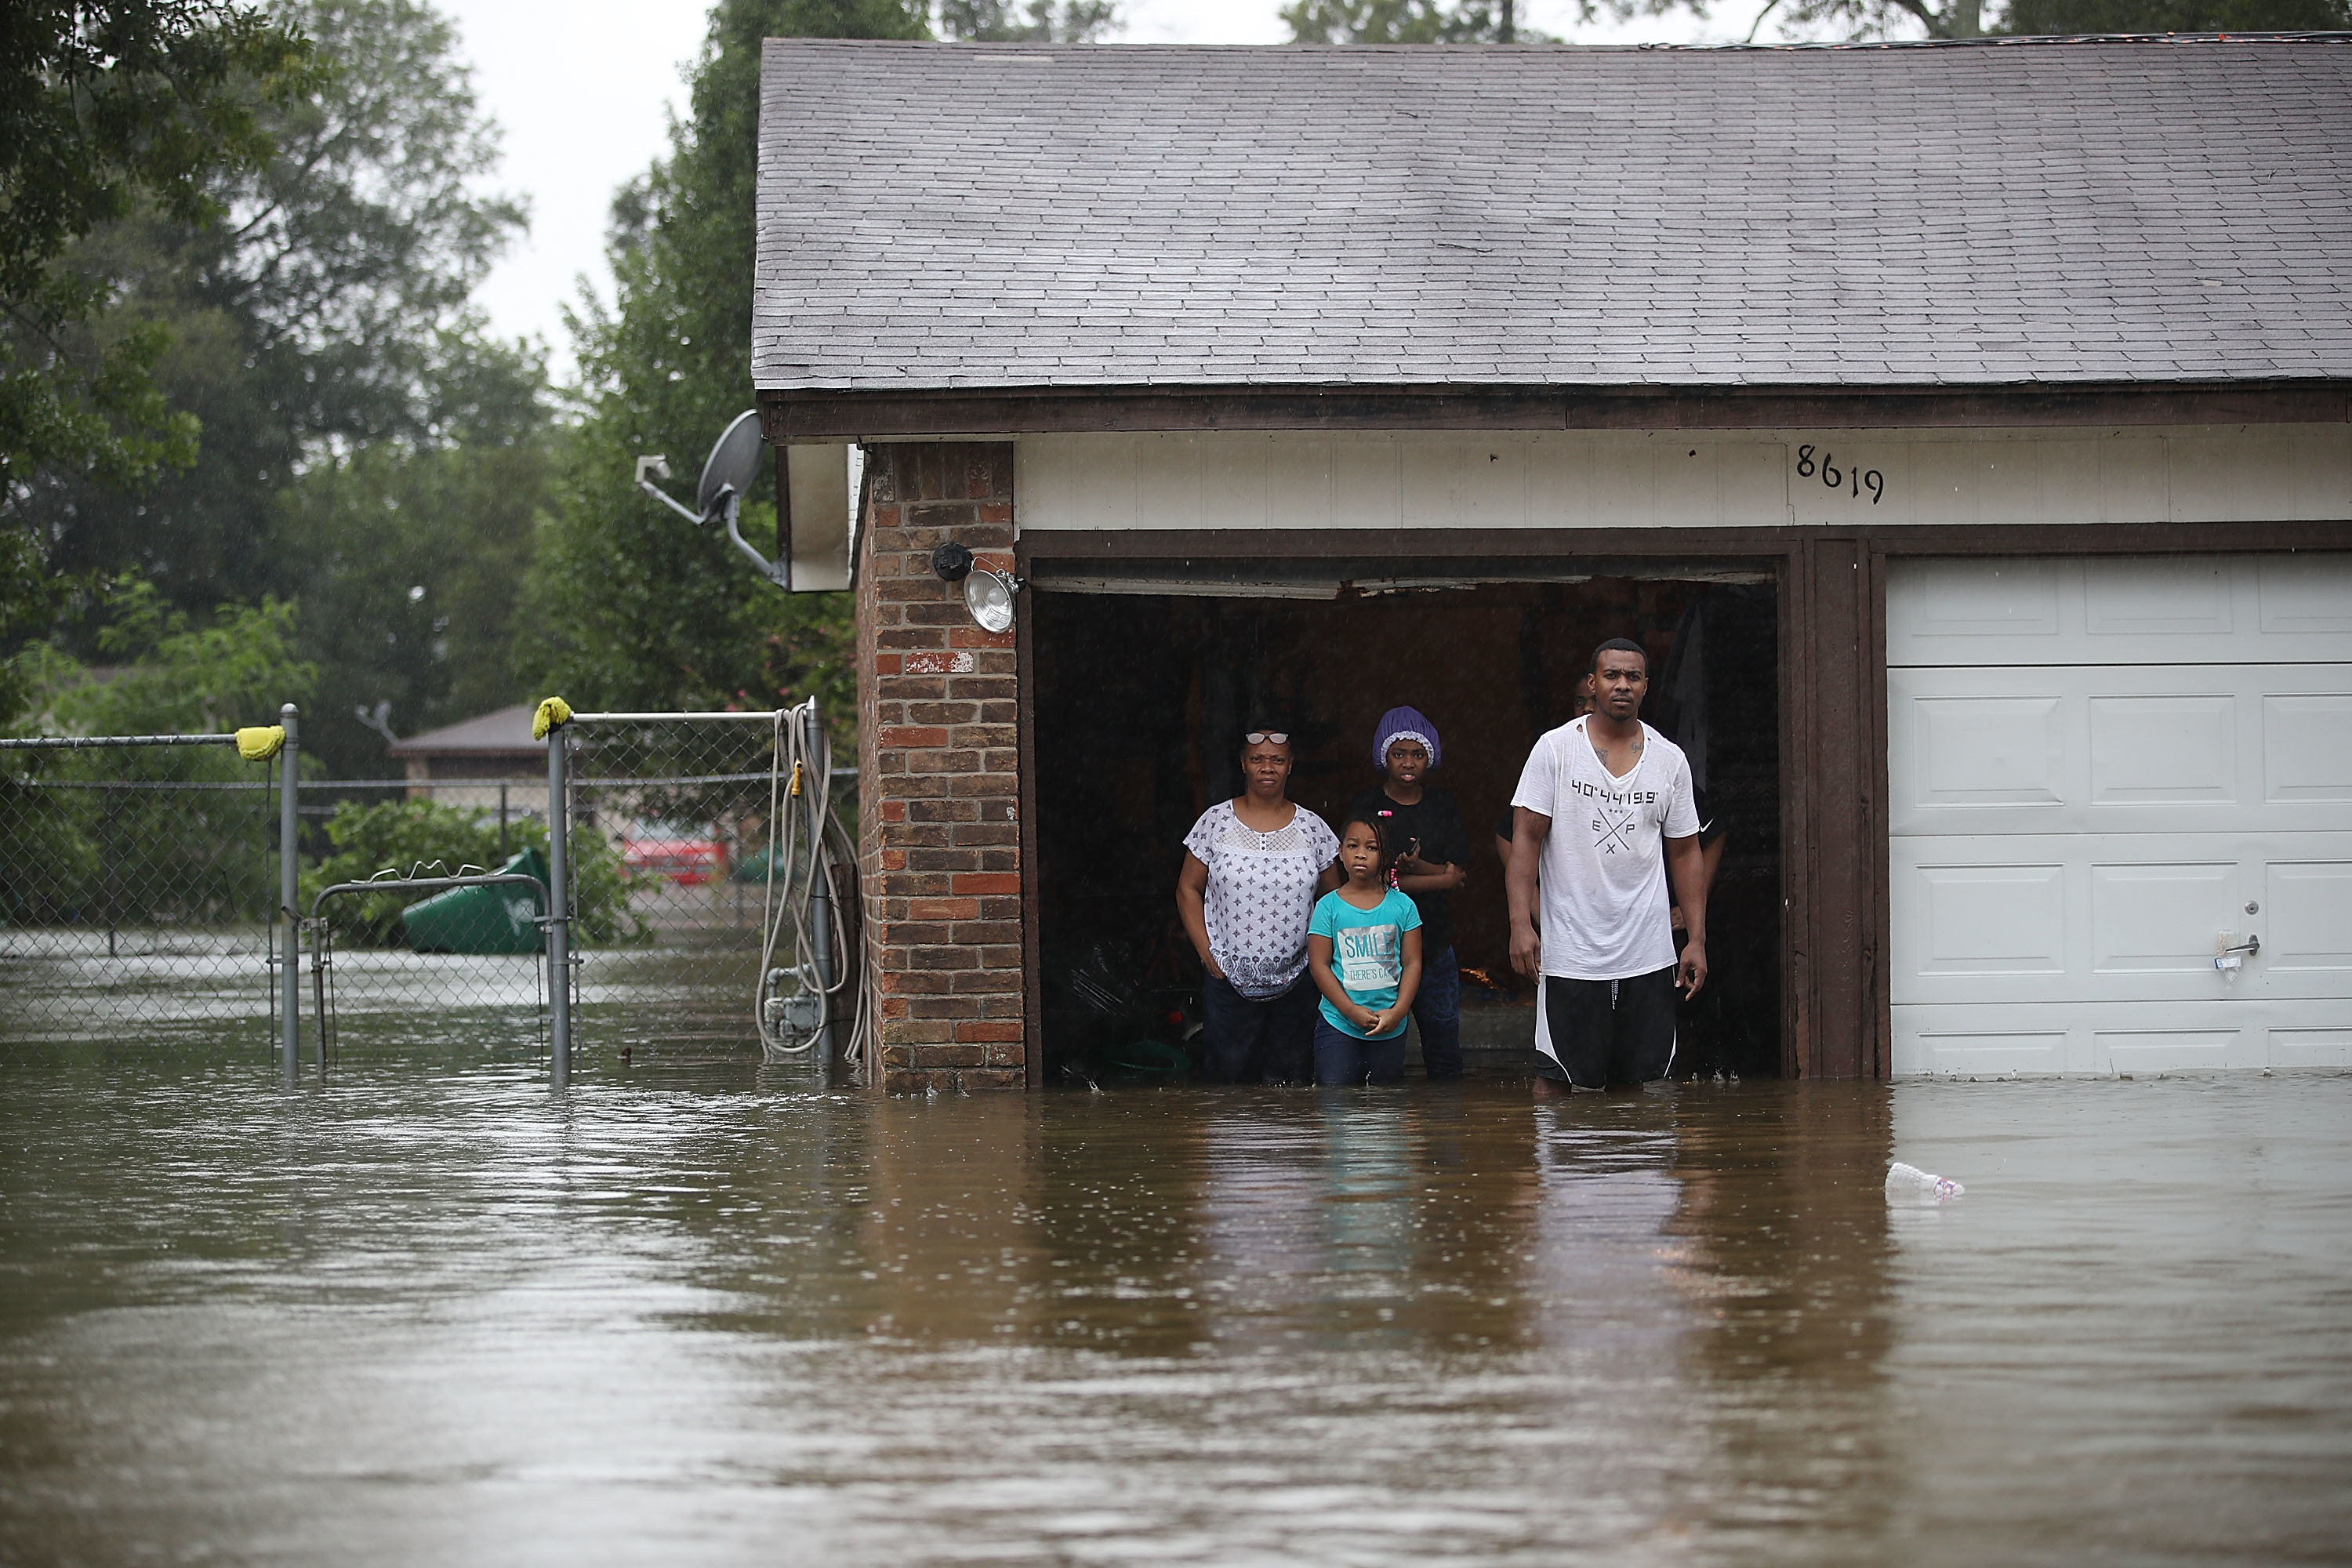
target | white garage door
x=2101, y=772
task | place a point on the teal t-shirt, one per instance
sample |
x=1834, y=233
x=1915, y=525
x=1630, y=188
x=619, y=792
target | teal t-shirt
x=1367, y=952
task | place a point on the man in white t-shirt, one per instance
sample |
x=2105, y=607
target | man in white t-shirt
x=1597, y=796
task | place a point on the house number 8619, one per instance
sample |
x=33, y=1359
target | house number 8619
x=1851, y=480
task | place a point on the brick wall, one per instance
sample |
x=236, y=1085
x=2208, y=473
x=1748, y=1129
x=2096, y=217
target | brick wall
x=939, y=784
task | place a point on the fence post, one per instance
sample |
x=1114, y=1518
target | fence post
x=819, y=779
x=559, y=902
x=289, y=853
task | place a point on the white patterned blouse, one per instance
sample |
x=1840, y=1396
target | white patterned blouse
x=1261, y=893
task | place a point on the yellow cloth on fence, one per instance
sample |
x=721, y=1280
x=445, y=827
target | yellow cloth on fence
x=259, y=742
x=552, y=712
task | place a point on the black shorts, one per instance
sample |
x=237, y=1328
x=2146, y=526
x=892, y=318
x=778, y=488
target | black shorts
x=1606, y=1034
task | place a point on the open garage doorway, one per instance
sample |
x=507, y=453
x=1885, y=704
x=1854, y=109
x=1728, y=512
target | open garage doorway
x=1141, y=683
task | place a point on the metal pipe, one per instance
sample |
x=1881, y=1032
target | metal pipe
x=821, y=881
x=106, y=857
x=426, y=884
x=289, y=855
x=216, y=786
x=559, y=906
x=85, y=742
x=712, y=718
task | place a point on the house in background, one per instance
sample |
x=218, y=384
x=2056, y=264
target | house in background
x=1964, y=427
x=489, y=764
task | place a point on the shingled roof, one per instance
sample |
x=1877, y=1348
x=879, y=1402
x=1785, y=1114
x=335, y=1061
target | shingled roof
x=937, y=216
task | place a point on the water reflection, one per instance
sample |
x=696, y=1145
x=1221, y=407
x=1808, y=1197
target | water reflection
x=425, y=1314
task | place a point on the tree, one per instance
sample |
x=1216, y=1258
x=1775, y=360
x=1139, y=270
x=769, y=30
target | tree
x=2066, y=17
x=1408, y=22
x=631, y=606
x=326, y=312
x=1038, y=22
x=104, y=107
x=200, y=852
x=1971, y=18
x=408, y=556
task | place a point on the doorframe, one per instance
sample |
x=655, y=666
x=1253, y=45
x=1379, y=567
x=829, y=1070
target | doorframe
x=1781, y=552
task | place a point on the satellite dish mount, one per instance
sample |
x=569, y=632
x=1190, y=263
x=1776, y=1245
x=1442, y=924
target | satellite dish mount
x=733, y=462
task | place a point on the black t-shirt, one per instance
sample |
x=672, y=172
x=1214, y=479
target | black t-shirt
x=1436, y=822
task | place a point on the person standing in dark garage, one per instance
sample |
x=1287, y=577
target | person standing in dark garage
x=1432, y=850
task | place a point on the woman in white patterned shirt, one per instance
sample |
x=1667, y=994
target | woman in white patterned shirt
x=1254, y=866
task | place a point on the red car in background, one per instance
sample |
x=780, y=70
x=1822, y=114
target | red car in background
x=686, y=855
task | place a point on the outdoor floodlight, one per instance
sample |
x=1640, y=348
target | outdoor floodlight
x=989, y=596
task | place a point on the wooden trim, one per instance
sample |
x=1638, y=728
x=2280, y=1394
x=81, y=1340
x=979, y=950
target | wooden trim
x=2115, y=538
x=1880, y=780
x=1837, y=832
x=1032, y=985
x=810, y=415
x=1796, y=815
x=1601, y=545
x=1452, y=546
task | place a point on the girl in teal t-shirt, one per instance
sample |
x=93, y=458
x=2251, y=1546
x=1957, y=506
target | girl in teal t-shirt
x=1363, y=948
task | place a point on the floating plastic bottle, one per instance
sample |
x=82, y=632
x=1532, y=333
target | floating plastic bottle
x=1910, y=1182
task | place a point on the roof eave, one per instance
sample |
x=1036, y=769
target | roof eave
x=913, y=413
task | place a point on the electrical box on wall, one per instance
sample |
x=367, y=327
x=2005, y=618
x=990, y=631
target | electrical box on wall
x=819, y=485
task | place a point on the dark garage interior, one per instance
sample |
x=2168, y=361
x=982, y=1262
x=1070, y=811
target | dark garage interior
x=1139, y=696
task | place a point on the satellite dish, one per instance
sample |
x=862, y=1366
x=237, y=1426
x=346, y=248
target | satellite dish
x=733, y=462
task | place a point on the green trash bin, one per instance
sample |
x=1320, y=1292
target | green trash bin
x=502, y=919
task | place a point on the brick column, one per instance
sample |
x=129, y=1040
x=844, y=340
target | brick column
x=939, y=778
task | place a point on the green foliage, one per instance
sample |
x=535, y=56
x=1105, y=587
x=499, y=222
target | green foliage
x=1968, y=19
x=630, y=607
x=1038, y=22
x=327, y=314
x=409, y=559
x=2065, y=17
x=72, y=849
x=176, y=675
x=103, y=107
x=1408, y=22
x=403, y=836
x=30, y=598
x=78, y=846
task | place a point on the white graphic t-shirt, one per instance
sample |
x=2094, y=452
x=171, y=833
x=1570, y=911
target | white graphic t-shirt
x=1261, y=893
x=1604, y=876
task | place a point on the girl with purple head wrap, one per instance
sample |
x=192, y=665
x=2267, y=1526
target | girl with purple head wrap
x=1432, y=859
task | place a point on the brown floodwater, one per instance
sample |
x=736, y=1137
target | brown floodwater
x=429, y=1313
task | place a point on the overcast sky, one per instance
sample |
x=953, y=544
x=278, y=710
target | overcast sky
x=582, y=93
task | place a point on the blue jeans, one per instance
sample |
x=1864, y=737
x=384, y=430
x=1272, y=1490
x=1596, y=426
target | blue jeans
x=1249, y=1039
x=1342, y=1059
x=1437, y=1008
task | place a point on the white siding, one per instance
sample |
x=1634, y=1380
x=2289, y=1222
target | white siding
x=1299, y=480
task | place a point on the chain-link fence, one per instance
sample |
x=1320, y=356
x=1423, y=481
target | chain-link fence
x=138, y=892
x=143, y=900
x=673, y=890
